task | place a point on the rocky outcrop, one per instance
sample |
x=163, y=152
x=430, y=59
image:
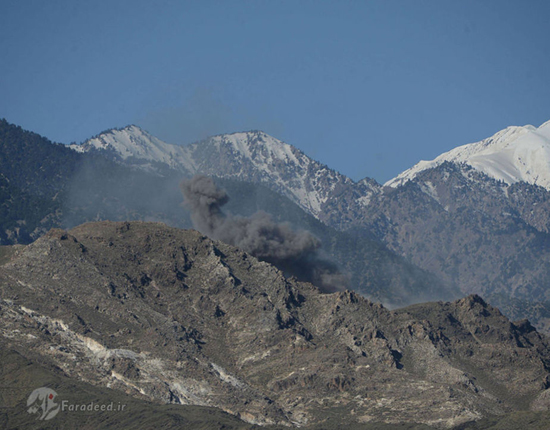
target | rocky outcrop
x=171, y=316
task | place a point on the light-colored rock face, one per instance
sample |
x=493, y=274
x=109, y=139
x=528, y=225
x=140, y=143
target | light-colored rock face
x=169, y=315
x=512, y=155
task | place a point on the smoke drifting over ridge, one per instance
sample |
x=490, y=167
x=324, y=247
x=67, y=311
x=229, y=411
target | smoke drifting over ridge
x=294, y=252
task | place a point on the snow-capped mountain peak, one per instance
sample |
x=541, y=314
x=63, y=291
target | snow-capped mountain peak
x=258, y=157
x=249, y=156
x=258, y=147
x=511, y=155
x=133, y=142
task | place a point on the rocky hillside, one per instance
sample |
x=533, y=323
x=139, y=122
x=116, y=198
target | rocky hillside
x=19, y=376
x=472, y=232
x=486, y=236
x=86, y=187
x=171, y=316
x=474, y=217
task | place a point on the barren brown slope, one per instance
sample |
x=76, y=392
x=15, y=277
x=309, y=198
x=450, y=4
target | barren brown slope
x=167, y=314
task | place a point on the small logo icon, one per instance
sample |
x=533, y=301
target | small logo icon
x=42, y=402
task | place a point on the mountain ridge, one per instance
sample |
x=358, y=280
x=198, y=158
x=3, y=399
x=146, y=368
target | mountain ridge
x=514, y=154
x=254, y=156
x=172, y=316
x=511, y=155
x=228, y=329
x=96, y=188
x=440, y=220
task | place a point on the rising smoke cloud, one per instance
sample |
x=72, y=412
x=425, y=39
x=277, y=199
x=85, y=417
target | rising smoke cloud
x=294, y=252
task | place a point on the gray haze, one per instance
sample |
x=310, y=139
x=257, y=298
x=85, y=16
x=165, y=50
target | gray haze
x=294, y=252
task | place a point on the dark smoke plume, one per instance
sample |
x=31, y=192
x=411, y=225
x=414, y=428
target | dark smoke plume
x=294, y=252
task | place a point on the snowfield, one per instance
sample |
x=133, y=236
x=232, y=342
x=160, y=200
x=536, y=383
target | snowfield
x=511, y=155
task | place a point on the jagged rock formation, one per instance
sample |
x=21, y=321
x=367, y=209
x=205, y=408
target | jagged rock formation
x=169, y=315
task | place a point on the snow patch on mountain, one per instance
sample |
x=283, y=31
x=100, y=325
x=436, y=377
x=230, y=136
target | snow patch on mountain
x=132, y=141
x=511, y=155
x=257, y=157
x=430, y=189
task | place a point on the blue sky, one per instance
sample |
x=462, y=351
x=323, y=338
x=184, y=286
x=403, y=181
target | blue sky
x=366, y=87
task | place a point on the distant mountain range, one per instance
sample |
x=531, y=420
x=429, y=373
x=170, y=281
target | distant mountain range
x=515, y=154
x=168, y=315
x=93, y=187
x=477, y=216
x=466, y=231
x=252, y=156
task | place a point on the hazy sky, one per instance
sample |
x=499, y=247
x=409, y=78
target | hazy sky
x=367, y=87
